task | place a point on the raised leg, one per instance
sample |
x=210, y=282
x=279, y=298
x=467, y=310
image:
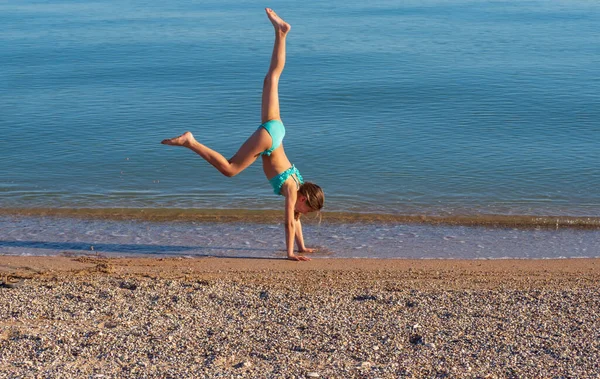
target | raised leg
x=258, y=142
x=270, y=95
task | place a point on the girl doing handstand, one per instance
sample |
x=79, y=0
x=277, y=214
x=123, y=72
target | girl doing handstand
x=300, y=197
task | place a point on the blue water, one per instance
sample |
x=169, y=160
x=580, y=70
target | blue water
x=407, y=107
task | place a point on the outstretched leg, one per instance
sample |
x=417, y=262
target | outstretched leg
x=260, y=140
x=270, y=95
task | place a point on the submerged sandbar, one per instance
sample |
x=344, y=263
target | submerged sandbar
x=273, y=216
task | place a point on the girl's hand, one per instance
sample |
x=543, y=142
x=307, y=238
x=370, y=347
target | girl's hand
x=307, y=250
x=298, y=258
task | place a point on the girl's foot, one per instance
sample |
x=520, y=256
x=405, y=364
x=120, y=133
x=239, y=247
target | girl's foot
x=278, y=23
x=183, y=140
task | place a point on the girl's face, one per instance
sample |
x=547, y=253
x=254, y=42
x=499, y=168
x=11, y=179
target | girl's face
x=301, y=205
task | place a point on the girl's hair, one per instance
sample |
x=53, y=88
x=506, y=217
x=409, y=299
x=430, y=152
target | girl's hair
x=314, y=197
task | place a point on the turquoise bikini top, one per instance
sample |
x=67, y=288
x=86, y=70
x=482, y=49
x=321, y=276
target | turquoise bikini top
x=278, y=180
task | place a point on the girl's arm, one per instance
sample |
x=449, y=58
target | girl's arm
x=300, y=239
x=290, y=227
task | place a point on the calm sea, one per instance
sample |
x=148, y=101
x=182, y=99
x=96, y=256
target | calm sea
x=433, y=107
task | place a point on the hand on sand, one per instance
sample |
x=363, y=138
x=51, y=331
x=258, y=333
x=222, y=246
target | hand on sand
x=307, y=250
x=298, y=258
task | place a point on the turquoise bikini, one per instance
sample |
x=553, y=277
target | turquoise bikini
x=276, y=130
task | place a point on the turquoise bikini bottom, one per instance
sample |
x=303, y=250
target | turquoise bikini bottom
x=279, y=179
x=276, y=130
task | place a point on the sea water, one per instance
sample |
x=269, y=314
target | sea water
x=399, y=107
x=60, y=236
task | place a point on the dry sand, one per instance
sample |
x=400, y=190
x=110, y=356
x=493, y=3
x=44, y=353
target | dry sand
x=96, y=317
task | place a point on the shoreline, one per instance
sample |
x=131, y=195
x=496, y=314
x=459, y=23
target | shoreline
x=272, y=216
x=338, y=318
x=129, y=265
x=494, y=271
x=501, y=272
x=56, y=236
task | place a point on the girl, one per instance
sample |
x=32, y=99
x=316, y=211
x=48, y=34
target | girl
x=266, y=141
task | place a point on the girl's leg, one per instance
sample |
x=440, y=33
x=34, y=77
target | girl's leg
x=260, y=140
x=270, y=96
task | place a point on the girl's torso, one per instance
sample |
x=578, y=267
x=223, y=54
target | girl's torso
x=275, y=163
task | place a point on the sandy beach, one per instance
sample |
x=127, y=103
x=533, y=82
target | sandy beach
x=95, y=317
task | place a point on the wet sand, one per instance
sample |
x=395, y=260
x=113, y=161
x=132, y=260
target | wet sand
x=341, y=318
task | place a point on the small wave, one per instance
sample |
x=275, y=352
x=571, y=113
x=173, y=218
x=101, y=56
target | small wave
x=272, y=216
